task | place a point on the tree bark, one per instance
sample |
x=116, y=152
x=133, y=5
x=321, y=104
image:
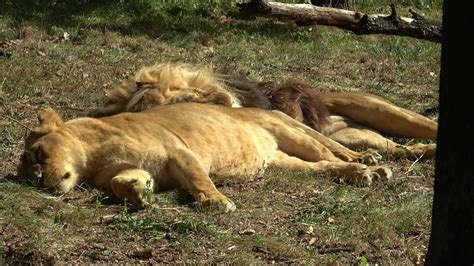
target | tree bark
x=452, y=233
x=357, y=22
x=344, y=4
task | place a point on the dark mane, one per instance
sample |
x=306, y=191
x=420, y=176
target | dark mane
x=300, y=101
x=249, y=93
x=296, y=99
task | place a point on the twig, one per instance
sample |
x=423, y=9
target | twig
x=3, y=82
x=393, y=15
x=81, y=187
x=335, y=250
x=416, y=15
x=389, y=152
x=16, y=121
x=170, y=209
x=6, y=226
x=412, y=165
x=71, y=108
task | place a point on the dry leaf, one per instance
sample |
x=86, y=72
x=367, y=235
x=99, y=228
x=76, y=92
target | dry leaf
x=66, y=36
x=312, y=241
x=107, y=219
x=82, y=33
x=247, y=232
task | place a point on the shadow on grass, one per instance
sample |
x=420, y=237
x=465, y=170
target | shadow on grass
x=44, y=13
x=162, y=20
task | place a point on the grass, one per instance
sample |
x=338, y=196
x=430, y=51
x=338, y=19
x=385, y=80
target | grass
x=283, y=217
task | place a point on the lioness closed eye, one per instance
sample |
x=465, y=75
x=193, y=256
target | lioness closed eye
x=181, y=145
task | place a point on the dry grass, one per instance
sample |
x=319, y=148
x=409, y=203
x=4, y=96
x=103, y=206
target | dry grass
x=284, y=217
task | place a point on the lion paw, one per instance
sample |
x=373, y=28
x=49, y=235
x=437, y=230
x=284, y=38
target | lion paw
x=364, y=178
x=140, y=201
x=222, y=204
x=364, y=175
x=370, y=157
x=380, y=173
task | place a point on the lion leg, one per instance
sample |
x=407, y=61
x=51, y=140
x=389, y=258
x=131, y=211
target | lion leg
x=191, y=175
x=293, y=141
x=364, y=138
x=132, y=185
x=291, y=131
x=381, y=115
x=353, y=173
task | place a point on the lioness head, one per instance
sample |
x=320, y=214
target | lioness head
x=52, y=157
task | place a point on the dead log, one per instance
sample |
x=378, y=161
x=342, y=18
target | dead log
x=359, y=23
x=344, y=4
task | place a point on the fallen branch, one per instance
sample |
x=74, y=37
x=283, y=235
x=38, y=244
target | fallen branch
x=335, y=250
x=359, y=23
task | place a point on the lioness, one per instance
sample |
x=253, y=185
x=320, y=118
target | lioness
x=182, y=145
x=352, y=119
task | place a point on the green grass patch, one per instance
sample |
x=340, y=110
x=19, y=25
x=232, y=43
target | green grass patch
x=109, y=40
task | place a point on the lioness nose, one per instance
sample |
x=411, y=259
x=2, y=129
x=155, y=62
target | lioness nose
x=67, y=175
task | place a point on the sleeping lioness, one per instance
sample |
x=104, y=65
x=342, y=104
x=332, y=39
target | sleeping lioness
x=187, y=145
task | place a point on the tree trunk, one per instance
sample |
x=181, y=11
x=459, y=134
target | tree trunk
x=452, y=233
x=357, y=22
x=344, y=4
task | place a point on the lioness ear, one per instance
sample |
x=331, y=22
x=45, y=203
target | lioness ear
x=49, y=120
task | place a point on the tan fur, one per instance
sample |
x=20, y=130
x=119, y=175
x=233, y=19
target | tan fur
x=352, y=119
x=181, y=145
x=163, y=84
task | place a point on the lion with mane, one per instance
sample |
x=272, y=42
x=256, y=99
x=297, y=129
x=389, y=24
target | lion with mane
x=355, y=120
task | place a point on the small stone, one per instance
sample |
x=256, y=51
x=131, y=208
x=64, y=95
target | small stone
x=247, y=232
x=144, y=253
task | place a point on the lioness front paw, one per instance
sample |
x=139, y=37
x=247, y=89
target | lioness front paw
x=373, y=173
x=363, y=178
x=221, y=203
x=370, y=157
x=145, y=202
x=381, y=173
x=363, y=175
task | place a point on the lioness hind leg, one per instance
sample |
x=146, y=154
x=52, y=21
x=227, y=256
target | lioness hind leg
x=133, y=185
x=364, y=138
x=353, y=173
x=189, y=172
x=297, y=139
